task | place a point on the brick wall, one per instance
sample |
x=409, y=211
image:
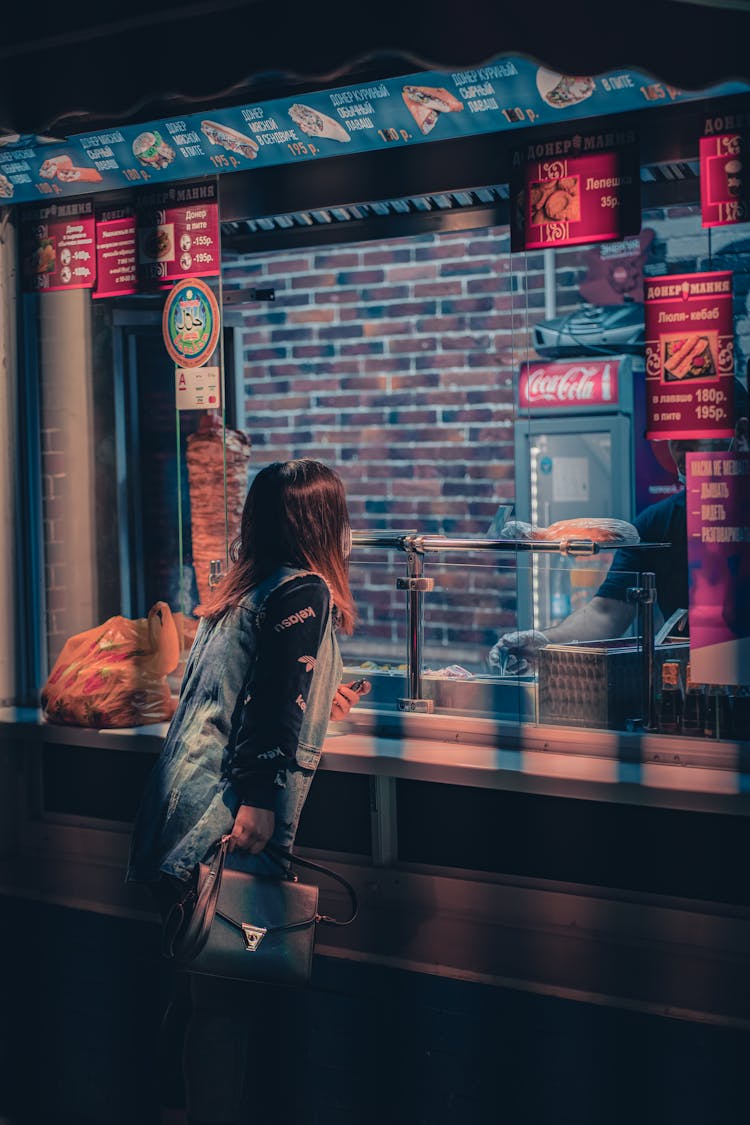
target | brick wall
x=395, y=362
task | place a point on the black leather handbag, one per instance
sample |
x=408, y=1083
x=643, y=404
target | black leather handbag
x=249, y=927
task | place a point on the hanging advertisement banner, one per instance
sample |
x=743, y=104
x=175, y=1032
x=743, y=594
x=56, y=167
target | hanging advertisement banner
x=191, y=323
x=718, y=527
x=689, y=356
x=570, y=197
x=58, y=247
x=508, y=93
x=725, y=179
x=178, y=233
x=116, y=272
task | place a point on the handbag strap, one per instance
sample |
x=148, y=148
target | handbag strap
x=286, y=859
x=203, y=912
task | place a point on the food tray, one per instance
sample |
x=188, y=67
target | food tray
x=597, y=684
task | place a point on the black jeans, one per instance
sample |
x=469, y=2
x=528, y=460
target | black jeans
x=216, y=1045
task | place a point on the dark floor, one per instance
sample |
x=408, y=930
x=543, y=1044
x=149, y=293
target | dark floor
x=81, y=1000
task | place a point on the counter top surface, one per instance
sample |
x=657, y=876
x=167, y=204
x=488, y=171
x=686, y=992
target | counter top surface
x=639, y=768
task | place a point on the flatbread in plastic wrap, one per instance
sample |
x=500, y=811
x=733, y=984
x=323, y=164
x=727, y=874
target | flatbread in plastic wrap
x=115, y=675
x=598, y=530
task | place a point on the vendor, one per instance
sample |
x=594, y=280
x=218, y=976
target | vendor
x=610, y=613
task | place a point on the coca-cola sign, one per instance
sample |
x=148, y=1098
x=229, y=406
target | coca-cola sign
x=568, y=385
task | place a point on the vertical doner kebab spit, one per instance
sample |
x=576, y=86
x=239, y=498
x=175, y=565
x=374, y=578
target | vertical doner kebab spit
x=205, y=463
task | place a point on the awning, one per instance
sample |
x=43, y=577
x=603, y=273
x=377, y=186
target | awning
x=73, y=68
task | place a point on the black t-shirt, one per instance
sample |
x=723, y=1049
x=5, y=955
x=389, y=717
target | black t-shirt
x=664, y=522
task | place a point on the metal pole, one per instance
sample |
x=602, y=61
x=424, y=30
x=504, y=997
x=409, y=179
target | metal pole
x=646, y=628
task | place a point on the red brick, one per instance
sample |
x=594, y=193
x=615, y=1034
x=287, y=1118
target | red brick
x=288, y=265
x=336, y=259
x=337, y=297
x=313, y=350
x=292, y=335
x=314, y=281
x=412, y=345
x=386, y=293
x=311, y=316
x=438, y=289
x=413, y=273
x=385, y=328
x=466, y=268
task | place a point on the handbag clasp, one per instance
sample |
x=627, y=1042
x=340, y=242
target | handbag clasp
x=253, y=936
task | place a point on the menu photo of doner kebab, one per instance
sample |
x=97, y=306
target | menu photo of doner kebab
x=230, y=139
x=426, y=103
x=562, y=90
x=152, y=150
x=691, y=356
x=317, y=124
x=62, y=168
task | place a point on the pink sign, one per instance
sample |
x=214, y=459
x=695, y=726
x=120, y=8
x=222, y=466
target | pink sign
x=725, y=184
x=570, y=200
x=59, y=248
x=571, y=385
x=116, y=271
x=718, y=525
x=689, y=356
x=178, y=234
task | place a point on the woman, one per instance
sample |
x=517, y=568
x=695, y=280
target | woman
x=261, y=683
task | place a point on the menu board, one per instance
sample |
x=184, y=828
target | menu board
x=58, y=247
x=178, y=233
x=689, y=356
x=507, y=94
x=718, y=525
x=116, y=272
x=725, y=179
x=562, y=198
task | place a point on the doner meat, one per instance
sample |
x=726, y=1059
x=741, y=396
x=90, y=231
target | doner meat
x=205, y=463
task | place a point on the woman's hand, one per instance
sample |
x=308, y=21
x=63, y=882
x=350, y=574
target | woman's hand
x=252, y=830
x=345, y=698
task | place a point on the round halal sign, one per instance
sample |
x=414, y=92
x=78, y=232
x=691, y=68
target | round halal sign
x=190, y=323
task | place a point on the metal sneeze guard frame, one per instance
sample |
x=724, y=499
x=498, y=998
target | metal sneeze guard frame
x=415, y=546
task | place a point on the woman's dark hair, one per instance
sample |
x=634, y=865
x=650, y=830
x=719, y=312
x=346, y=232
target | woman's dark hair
x=295, y=514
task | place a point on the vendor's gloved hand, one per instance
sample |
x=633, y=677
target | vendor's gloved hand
x=513, y=651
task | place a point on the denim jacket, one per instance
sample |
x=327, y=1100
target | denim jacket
x=190, y=802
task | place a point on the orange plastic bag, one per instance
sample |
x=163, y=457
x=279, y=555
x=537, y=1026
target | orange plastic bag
x=115, y=675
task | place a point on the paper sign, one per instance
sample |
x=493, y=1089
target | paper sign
x=198, y=388
x=59, y=248
x=115, y=256
x=725, y=180
x=718, y=526
x=575, y=199
x=689, y=356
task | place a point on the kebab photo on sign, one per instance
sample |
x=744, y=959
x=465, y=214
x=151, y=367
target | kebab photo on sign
x=427, y=103
x=690, y=355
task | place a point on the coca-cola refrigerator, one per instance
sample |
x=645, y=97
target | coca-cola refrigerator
x=579, y=423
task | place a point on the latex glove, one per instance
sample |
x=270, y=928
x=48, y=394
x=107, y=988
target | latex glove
x=517, y=646
x=347, y=695
x=252, y=829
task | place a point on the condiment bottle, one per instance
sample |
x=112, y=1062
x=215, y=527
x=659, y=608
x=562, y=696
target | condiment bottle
x=694, y=710
x=718, y=722
x=672, y=699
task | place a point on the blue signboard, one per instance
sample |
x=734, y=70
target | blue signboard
x=511, y=93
